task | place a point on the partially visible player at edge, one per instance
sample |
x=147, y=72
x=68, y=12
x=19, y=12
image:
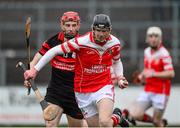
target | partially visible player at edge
x=157, y=74
x=96, y=52
x=60, y=90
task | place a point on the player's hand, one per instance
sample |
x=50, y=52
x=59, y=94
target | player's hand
x=30, y=74
x=148, y=73
x=27, y=83
x=122, y=82
x=136, y=77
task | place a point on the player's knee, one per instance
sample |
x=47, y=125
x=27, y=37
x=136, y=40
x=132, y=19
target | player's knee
x=84, y=123
x=104, y=122
x=137, y=115
x=51, y=124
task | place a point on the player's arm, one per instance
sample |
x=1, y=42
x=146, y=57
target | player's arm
x=118, y=67
x=168, y=74
x=31, y=74
x=118, y=72
x=35, y=60
x=59, y=49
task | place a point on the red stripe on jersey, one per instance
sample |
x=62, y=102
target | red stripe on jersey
x=76, y=41
x=63, y=48
x=70, y=46
x=69, y=60
x=61, y=36
x=42, y=51
x=116, y=52
x=91, y=37
x=46, y=45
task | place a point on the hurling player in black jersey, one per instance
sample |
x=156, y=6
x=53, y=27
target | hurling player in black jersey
x=60, y=90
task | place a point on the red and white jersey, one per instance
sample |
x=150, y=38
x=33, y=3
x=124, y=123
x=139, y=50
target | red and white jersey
x=93, y=61
x=158, y=61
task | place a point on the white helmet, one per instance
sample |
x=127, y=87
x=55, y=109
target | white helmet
x=154, y=30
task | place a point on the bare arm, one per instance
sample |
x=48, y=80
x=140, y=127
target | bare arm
x=36, y=59
x=168, y=74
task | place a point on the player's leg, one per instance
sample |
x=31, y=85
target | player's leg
x=55, y=122
x=159, y=104
x=145, y=118
x=105, y=102
x=137, y=111
x=52, y=98
x=126, y=115
x=71, y=109
x=84, y=123
x=105, y=108
x=157, y=117
x=88, y=108
x=93, y=121
x=72, y=122
x=139, y=107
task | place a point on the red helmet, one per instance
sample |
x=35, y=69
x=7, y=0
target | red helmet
x=70, y=16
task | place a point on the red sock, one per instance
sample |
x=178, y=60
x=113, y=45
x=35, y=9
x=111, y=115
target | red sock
x=115, y=120
x=147, y=118
x=125, y=113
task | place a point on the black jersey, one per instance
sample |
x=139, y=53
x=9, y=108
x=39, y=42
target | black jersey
x=62, y=65
x=60, y=90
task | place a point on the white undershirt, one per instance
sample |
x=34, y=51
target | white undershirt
x=50, y=54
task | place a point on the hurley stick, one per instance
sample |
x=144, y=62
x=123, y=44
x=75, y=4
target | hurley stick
x=49, y=111
x=27, y=36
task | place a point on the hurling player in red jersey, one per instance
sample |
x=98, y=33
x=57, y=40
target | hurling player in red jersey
x=157, y=74
x=60, y=91
x=96, y=52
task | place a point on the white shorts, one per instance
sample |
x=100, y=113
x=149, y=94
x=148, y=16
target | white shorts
x=156, y=100
x=87, y=101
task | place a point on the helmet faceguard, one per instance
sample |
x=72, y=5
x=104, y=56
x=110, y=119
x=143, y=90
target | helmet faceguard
x=70, y=16
x=101, y=28
x=102, y=21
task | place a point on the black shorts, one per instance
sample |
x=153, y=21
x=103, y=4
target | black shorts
x=65, y=98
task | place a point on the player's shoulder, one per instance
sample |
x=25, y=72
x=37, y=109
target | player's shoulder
x=56, y=39
x=146, y=50
x=84, y=38
x=53, y=38
x=114, y=39
x=163, y=51
x=84, y=35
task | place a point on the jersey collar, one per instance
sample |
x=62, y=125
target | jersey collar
x=61, y=36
